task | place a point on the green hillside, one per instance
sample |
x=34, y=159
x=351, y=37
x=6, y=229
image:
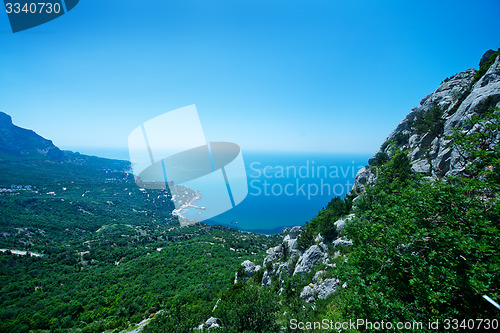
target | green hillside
x=112, y=254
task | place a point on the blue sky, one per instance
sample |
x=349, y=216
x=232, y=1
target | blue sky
x=328, y=76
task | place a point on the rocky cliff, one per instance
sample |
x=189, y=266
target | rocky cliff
x=23, y=146
x=424, y=133
x=286, y=259
x=20, y=142
x=424, y=136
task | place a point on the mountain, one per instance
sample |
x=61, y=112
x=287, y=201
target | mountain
x=425, y=132
x=83, y=248
x=20, y=142
x=27, y=156
x=413, y=247
x=414, y=243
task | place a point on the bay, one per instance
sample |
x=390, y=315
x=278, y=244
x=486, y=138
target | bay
x=284, y=188
x=288, y=189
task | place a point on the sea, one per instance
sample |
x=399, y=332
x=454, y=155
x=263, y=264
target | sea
x=285, y=189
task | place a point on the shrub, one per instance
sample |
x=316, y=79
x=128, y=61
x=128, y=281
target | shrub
x=324, y=222
x=485, y=66
x=380, y=158
x=396, y=172
x=429, y=121
x=427, y=251
x=481, y=147
x=306, y=237
x=245, y=307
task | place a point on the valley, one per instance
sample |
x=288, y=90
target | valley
x=110, y=254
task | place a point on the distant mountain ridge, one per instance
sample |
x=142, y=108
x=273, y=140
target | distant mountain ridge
x=26, y=154
x=18, y=141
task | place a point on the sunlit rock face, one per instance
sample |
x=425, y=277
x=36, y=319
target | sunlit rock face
x=429, y=150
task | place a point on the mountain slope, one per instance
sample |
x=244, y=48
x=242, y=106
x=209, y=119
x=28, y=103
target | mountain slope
x=425, y=131
x=110, y=254
x=17, y=141
x=414, y=246
x=28, y=158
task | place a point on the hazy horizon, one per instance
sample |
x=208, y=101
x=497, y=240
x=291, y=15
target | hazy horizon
x=280, y=75
x=121, y=152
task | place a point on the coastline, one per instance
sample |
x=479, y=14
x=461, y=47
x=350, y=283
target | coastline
x=185, y=206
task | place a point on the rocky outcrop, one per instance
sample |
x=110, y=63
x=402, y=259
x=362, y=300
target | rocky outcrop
x=430, y=151
x=290, y=241
x=287, y=248
x=286, y=259
x=308, y=294
x=340, y=224
x=311, y=257
x=315, y=291
x=318, y=276
x=424, y=135
x=364, y=177
x=277, y=264
x=278, y=269
x=294, y=232
x=278, y=258
x=267, y=278
x=328, y=287
x=211, y=322
x=249, y=268
x=273, y=254
x=486, y=57
x=342, y=241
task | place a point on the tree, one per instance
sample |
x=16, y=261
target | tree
x=248, y=308
x=426, y=251
x=305, y=238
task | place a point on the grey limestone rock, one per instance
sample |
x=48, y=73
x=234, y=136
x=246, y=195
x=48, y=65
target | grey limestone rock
x=249, y=269
x=363, y=177
x=308, y=294
x=432, y=153
x=273, y=254
x=295, y=232
x=340, y=224
x=309, y=259
x=318, y=276
x=211, y=322
x=340, y=242
x=315, y=291
x=266, y=279
x=328, y=287
x=486, y=56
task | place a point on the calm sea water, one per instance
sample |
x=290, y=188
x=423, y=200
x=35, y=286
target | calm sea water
x=284, y=189
x=288, y=189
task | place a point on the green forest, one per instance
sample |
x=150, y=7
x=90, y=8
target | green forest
x=112, y=255
x=84, y=249
x=424, y=250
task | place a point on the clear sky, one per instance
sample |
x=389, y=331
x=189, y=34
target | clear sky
x=310, y=75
